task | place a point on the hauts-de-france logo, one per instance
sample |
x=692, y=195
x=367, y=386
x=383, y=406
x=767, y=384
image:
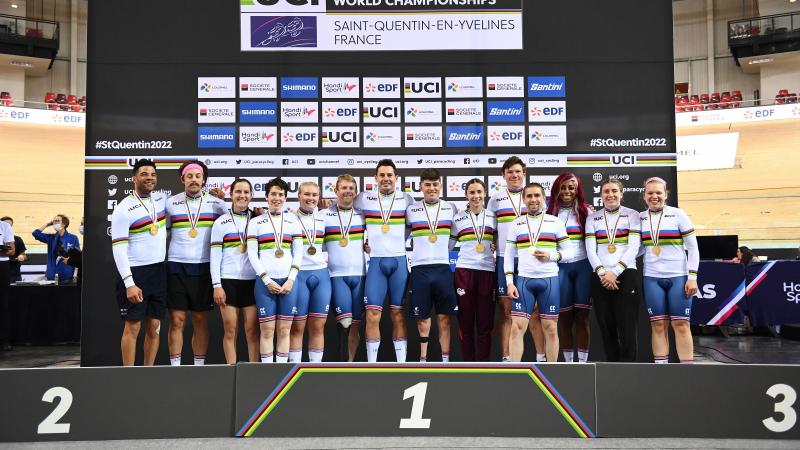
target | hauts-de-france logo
x=283, y=31
x=372, y=136
x=206, y=87
x=453, y=87
x=412, y=112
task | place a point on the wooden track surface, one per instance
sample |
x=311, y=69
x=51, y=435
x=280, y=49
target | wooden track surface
x=41, y=176
x=759, y=199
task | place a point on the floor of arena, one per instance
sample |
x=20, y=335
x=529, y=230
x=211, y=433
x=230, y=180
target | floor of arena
x=712, y=349
x=437, y=443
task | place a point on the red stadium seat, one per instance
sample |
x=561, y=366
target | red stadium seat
x=791, y=98
x=704, y=99
x=783, y=92
x=779, y=100
x=725, y=101
x=72, y=99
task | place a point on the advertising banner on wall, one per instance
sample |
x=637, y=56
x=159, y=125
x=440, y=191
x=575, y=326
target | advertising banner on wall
x=307, y=90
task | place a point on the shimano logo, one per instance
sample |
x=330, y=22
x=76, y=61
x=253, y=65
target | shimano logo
x=299, y=87
x=213, y=137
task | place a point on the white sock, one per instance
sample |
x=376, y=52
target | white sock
x=506, y=359
x=583, y=356
x=295, y=356
x=174, y=360
x=400, y=347
x=281, y=357
x=315, y=355
x=199, y=360
x=266, y=358
x=445, y=357
x=569, y=356
x=372, y=350
x=661, y=359
x=541, y=357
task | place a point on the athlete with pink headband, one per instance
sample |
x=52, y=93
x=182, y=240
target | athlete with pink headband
x=190, y=217
x=670, y=278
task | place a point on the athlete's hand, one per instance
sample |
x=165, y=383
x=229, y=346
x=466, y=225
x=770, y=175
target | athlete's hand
x=493, y=246
x=217, y=192
x=274, y=288
x=287, y=286
x=219, y=296
x=512, y=291
x=134, y=294
x=366, y=247
x=609, y=281
x=690, y=288
x=542, y=255
x=22, y=257
x=325, y=203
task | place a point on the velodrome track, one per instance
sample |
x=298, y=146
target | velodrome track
x=44, y=167
x=758, y=198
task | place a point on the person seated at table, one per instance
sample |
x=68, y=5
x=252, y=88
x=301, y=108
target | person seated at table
x=745, y=256
x=19, y=255
x=58, y=244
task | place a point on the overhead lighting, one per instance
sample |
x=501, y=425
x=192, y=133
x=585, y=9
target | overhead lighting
x=760, y=61
x=22, y=64
x=14, y=5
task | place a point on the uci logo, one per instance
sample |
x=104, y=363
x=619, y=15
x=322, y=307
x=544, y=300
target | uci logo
x=431, y=87
x=377, y=112
x=291, y=2
x=340, y=136
x=623, y=160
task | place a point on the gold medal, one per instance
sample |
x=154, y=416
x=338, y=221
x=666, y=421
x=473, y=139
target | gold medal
x=193, y=233
x=656, y=250
x=279, y=253
x=385, y=228
x=433, y=238
x=480, y=248
x=154, y=229
x=343, y=242
x=312, y=251
x=242, y=248
x=612, y=248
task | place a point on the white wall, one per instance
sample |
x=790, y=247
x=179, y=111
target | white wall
x=12, y=80
x=58, y=78
x=779, y=76
x=771, y=7
x=690, y=45
x=5, y=7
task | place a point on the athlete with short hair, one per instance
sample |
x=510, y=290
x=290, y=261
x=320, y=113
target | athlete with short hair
x=344, y=243
x=474, y=229
x=190, y=217
x=275, y=250
x=541, y=241
x=431, y=221
x=384, y=211
x=232, y=276
x=508, y=205
x=139, y=245
x=670, y=279
x=313, y=284
x=568, y=203
x=612, y=242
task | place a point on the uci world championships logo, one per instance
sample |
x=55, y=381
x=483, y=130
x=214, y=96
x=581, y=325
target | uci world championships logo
x=283, y=31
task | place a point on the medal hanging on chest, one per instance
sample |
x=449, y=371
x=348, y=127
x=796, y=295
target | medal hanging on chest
x=656, y=249
x=278, y=236
x=344, y=231
x=386, y=215
x=479, y=232
x=432, y=225
x=193, y=219
x=612, y=234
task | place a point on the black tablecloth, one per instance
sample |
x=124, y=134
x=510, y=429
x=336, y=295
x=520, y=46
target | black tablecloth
x=45, y=314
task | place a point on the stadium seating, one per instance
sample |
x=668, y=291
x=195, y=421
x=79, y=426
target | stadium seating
x=725, y=100
x=63, y=102
x=5, y=99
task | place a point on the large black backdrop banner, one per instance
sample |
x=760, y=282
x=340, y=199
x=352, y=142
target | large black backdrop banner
x=309, y=89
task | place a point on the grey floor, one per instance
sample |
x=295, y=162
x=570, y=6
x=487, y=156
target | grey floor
x=712, y=349
x=420, y=442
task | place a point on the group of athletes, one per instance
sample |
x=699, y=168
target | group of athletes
x=547, y=264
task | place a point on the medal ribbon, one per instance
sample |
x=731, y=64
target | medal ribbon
x=242, y=236
x=612, y=234
x=386, y=216
x=153, y=215
x=478, y=236
x=517, y=209
x=538, y=231
x=654, y=235
x=435, y=224
x=344, y=232
x=313, y=236
x=278, y=237
x=193, y=220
